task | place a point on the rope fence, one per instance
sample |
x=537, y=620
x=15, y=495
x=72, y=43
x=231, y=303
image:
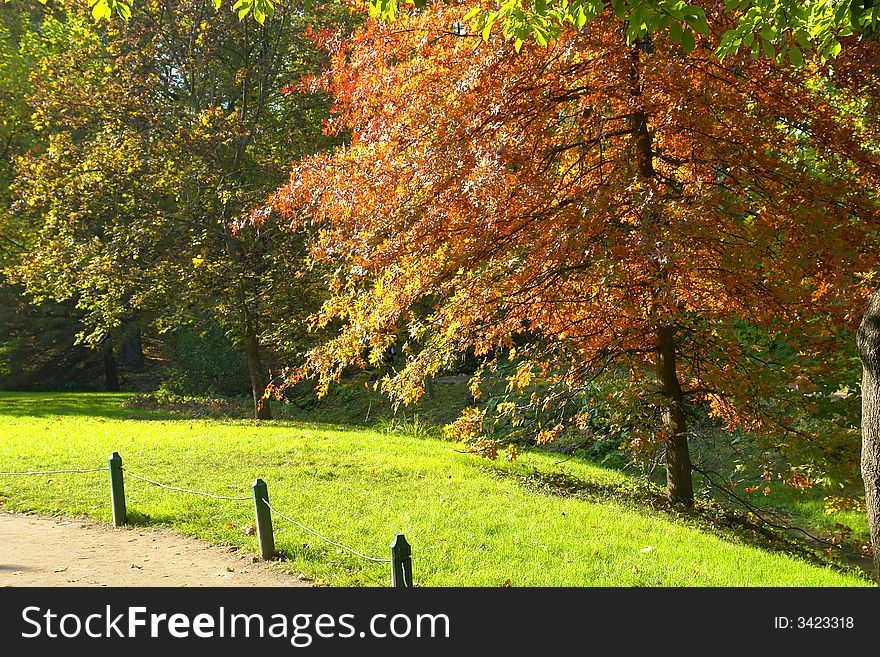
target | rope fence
x=401, y=563
x=185, y=490
x=311, y=531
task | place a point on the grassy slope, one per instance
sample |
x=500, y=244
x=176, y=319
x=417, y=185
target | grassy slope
x=469, y=524
x=352, y=403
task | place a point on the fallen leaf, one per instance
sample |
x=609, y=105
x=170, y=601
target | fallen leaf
x=229, y=525
x=650, y=548
x=505, y=584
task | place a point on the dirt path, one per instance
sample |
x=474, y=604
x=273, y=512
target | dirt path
x=39, y=551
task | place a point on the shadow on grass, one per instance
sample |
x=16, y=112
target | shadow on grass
x=83, y=404
x=708, y=515
x=134, y=518
x=118, y=406
x=349, y=406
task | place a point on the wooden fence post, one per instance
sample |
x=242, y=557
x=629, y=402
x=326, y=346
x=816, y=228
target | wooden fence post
x=401, y=563
x=264, y=520
x=117, y=490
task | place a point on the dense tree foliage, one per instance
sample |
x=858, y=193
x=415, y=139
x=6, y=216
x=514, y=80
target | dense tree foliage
x=705, y=231
x=159, y=133
x=638, y=214
x=780, y=29
x=36, y=343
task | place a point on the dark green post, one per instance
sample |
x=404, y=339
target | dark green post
x=264, y=520
x=401, y=563
x=117, y=490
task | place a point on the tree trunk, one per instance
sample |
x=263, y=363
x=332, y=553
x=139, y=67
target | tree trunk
x=111, y=371
x=259, y=379
x=131, y=351
x=868, y=340
x=679, y=486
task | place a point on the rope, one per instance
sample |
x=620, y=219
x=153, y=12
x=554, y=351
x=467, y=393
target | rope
x=310, y=531
x=44, y=472
x=216, y=497
x=185, y=490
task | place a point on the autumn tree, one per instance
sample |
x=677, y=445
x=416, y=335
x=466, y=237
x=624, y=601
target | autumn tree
x=597, y=206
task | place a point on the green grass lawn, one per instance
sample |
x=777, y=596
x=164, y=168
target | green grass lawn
x=470, y=522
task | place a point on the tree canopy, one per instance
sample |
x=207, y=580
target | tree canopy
x=780, y=29
x=158, y=133
x=594, y=206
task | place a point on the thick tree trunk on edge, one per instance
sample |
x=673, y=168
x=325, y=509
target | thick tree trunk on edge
x=679, y=486
x=868, y=341
x=259, y=380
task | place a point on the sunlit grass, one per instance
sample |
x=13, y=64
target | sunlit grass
x=470, y=522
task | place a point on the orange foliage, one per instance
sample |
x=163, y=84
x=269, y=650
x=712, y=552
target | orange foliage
x=513, y=192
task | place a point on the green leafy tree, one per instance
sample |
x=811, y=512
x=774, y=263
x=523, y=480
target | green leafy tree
x=779, y=29
x=161, y=133
x=37, y=347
